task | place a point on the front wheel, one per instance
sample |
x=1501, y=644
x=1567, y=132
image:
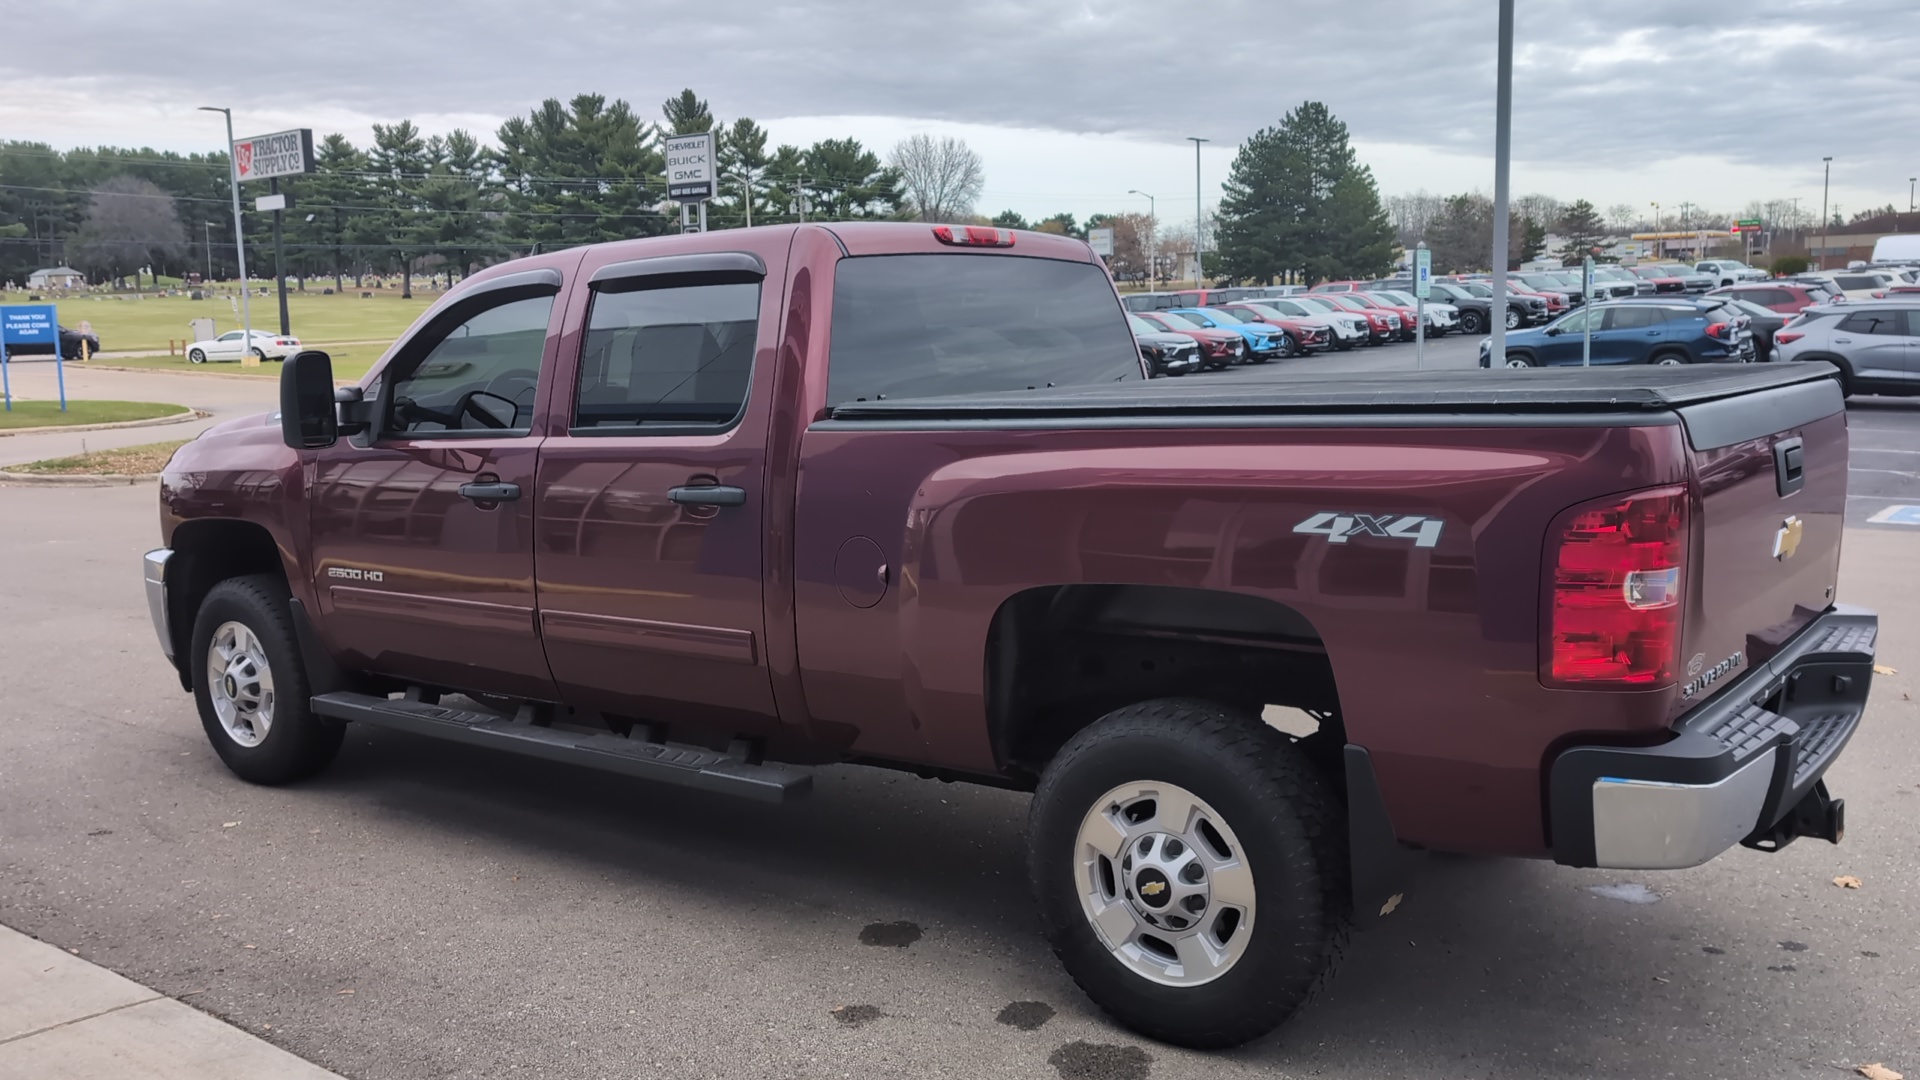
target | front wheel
x=1288, y=347
x=1191, y=872
x=1472, y=323
x=196, y=356
x=1513, y=319
x=251, y=685
x=1344, y=345
x=1519, y=360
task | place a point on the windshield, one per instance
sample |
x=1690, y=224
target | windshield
x=1474, y=288
x=1178, y=322
x=1393, y=297
x=1142, y=326
x=1319, y=302
x=1225, y=318
x=1266, y=311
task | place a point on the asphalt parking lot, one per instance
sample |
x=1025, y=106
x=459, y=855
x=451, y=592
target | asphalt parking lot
x=430, y=910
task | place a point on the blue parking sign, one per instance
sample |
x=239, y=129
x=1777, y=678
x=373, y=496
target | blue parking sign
x=30, y=324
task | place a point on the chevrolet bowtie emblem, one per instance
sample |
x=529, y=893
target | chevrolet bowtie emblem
x=1153, y=888
x=1787, y=540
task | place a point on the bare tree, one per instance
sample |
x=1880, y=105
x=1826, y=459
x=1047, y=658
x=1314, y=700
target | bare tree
x=1413, y=215
x=941, y=177
x=131, y=224
x=1623, y=217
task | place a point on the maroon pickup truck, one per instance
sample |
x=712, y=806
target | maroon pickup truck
x=713, y=510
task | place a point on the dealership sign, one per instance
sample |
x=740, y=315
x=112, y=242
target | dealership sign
x=690, y=166
x=283, y=153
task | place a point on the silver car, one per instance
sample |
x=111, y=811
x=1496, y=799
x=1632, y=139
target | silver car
x=1874, y=343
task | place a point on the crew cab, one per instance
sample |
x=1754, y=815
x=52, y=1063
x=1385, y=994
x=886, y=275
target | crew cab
x=1729, y=271
x=721, y=509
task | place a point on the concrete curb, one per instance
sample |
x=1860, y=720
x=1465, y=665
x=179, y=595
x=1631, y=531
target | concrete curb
x=62, y=1018
x=78, y=479
x=196, y=373
x=159, y=421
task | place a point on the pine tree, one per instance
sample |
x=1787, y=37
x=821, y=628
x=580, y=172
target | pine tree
x=399, y=163
x=581, y=173
x=1533, y=242
x=1580, y=223
x=743, y=160
x=1297, y=199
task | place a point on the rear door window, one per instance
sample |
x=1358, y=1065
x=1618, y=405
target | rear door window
x=1875, y=322
x=1634, y=317
x=667, y=357
x=943, y=325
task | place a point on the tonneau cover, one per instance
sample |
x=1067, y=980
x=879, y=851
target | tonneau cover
x=1500, y=390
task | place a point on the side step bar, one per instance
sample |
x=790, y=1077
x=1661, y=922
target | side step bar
x=672, y=763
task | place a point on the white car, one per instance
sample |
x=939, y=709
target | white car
x=231, y=346
x=1442, y=318
x=1729, y=271
x=1348, y=328
x=1851, y=284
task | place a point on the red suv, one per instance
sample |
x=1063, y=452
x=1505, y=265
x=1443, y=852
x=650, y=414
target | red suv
x=1382, y=325
x=1786, y=297
x=1407, y=320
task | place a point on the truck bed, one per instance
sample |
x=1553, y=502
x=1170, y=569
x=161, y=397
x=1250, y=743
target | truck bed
x=1628, y=389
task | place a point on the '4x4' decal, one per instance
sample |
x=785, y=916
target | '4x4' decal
x=1336, y=527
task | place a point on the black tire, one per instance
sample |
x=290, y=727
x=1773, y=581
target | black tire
x=1288, y=347
x=1666, y=358
x=197, y=356
x=1344, y=345
x=1471, y=322
x=297, y=743
x=1519, y=360
x=1291, y=827
x=258, y=354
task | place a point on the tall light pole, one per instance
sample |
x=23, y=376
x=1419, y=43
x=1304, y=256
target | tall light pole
x=1502, y=159
x=239, y=239
x=1910, y=181
x=1199, y=217
x=1657, y=243
x=1819, y=263
x=208, y=230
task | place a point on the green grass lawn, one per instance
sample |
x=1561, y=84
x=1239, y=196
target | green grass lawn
x=125, y=322
x=126, y=461
x=27, y=414
x=349, y=362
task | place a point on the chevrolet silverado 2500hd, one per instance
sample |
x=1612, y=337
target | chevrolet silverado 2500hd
x=714, y=510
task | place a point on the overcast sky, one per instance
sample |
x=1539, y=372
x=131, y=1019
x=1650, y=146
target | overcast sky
x=1713, y=102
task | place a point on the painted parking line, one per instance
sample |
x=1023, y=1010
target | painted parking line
x=1896, y=515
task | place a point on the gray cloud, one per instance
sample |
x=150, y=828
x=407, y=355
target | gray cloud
x=1600, y=81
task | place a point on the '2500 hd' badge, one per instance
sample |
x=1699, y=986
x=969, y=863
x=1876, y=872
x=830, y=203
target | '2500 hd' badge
x=1338, y=527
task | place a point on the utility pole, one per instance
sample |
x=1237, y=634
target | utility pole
x=1825, y=183
x=1502, y=159
x=746, y=192
x=1199, y=218
x=1910, y=181
x=208, y=231
x=279, y=262
x=239, y=237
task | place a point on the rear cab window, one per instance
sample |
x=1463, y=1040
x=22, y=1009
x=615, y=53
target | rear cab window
x=942, y=325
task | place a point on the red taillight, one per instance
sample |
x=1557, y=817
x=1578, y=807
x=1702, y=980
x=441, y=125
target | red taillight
x=973, y=235
x=1787, y=337
x=1616, y=592
x=1720, y=330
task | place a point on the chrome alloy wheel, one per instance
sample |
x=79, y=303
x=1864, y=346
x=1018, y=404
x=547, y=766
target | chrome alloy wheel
x=1165, y=883
x=240, y=683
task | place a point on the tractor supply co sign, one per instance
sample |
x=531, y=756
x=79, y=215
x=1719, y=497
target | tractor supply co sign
x=283, y=153
x=690, y=166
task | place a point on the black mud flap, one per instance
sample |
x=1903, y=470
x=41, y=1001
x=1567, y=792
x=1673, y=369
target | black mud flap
x=1382, y=867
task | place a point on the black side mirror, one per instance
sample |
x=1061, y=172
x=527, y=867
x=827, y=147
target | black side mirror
x=307, y=417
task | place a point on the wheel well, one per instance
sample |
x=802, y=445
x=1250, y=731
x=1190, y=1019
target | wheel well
x=1668, y=350
x=205, y=553
x=1059, y=657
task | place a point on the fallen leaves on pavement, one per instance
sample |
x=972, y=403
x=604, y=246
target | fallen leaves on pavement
x=1882, y=669
x=1847, y=881
x=1877, y=1071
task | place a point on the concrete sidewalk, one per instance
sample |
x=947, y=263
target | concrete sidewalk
x=62, y=1018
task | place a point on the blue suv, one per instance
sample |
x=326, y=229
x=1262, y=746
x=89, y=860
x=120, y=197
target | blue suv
x=1663, y=331
x=1264, y=342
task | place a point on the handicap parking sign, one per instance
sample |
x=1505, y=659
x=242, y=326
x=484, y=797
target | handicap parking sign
x=1897, y=515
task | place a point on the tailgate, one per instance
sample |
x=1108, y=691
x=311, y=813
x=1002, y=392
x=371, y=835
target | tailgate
x=1771, y=470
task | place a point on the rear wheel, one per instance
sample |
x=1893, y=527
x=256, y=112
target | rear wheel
x=251, y=685
x=1472, y=322
x=1190, y=867
x=1667, y=359
x=1513, y=319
